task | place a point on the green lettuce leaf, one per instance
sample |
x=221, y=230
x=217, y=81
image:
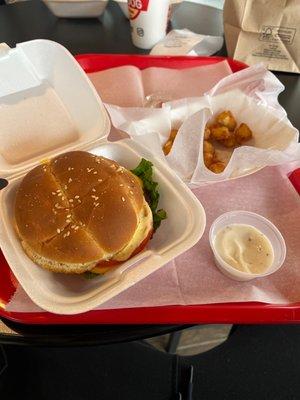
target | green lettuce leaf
x=145, y=172
x=90, y=275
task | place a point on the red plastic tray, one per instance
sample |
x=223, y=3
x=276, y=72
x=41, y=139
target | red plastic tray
x=215, y=313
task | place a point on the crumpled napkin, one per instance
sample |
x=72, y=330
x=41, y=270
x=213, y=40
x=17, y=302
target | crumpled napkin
x=183, y=41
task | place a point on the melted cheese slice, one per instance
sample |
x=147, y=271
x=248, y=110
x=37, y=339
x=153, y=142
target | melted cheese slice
x=144, y=227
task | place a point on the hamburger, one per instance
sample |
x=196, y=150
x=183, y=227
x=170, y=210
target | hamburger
x=81, y=213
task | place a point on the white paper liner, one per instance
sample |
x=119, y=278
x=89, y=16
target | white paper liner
x=129, y=86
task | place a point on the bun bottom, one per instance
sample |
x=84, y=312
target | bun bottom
x=143, y=229
x=55, y=266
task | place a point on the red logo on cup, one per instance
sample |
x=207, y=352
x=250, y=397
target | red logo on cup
x=136, y=6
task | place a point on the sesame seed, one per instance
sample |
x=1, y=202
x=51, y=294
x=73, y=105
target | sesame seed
x=76, y=197
x=93, y=190
x=79, y=201
x=70, y=180
x=59, y=194
x=100, y=180
x=69, y=169
x=69, y=215
x=63, y=198
x=95, y=173
x=121, y=184
x=73, y=226
x=123, y=198
x=71, y=200
x=76, y=228
x=130, y=191
x=68, y=221
x=66, y=187
x=58, y=230
x=54, y=193
x=58, y=190
x=68, y=233
x=96, y=204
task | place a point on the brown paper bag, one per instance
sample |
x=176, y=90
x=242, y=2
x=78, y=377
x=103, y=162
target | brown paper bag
x=265, y=31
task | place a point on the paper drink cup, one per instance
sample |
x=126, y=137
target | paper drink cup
x=148, y=20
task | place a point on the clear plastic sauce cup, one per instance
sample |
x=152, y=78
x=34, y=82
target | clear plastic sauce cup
x=259, y=222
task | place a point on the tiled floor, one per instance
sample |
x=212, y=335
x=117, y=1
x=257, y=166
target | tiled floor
x=195, y=340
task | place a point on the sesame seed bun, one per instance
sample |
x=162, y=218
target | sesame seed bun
x=78, y=210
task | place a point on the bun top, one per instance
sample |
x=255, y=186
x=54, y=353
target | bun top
x=78, y=208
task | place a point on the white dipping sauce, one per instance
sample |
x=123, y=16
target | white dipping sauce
x=244, y=248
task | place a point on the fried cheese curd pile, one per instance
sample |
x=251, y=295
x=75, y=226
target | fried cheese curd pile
x=227, y=133
x=224, y=131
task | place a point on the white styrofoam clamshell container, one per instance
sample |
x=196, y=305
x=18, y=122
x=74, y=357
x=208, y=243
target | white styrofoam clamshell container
x=43, y=87
x=43, y=66
x=76, y=8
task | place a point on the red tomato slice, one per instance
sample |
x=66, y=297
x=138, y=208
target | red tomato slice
x=113, y=263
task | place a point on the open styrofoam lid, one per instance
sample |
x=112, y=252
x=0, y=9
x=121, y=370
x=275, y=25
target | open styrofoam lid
x=47, y=106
